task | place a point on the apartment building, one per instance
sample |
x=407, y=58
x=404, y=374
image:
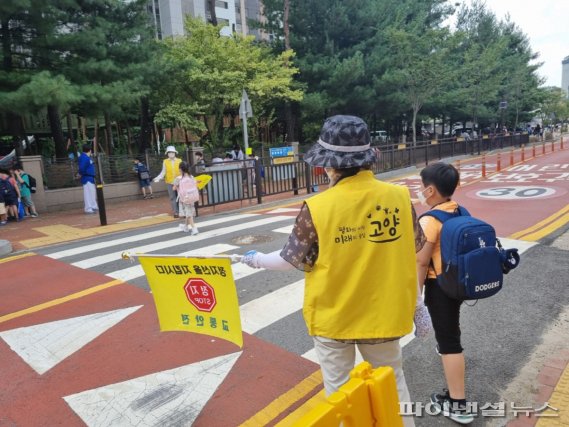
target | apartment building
x=169, y=15
x=565, y=75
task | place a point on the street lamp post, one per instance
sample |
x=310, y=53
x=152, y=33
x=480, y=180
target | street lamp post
x=245, y=111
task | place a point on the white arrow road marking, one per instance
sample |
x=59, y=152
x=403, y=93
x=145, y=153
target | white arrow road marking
x=44, y=346
x=167, y=398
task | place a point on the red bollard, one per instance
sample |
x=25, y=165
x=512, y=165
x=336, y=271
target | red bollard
x=499, y=163
x=511, y=157
x=533, y=150
x=543, y=148
x=552, y=146
x=523, y=153
x=484, y=166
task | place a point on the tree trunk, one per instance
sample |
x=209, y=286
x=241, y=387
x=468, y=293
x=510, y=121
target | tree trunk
x=96, y=138
x=286, y=28
x=414, y=124
x=56, y=131
x=144, y=142
x=128, y=136
x=109, y=134
x=15, y=127
x=72, y=144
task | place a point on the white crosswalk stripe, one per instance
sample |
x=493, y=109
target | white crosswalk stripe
x=257, y=314
x=141, y=236
x=186, y=239
x=263, y=311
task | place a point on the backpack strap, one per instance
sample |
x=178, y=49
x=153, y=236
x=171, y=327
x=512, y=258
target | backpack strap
x=443, y=216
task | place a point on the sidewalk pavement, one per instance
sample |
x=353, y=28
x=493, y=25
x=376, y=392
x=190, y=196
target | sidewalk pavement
x=51, y=228
x=63, y=226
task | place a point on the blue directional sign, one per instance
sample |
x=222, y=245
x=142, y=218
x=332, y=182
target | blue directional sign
x=281, y=152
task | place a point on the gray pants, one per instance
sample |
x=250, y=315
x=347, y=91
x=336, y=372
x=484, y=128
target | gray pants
x=173, y=195
x=337, y=360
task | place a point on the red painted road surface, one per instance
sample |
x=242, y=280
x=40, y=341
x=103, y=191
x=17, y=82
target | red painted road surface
x=133, y=348
x=512, y=200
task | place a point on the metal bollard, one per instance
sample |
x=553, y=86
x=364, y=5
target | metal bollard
x=523, y=153
x=543, y=148
x=512, y=156
x=533, y=150
x=498, y=162
x=562, y=142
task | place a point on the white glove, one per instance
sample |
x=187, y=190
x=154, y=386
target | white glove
x=156, y=179
x=422, y=319
x=251, y=259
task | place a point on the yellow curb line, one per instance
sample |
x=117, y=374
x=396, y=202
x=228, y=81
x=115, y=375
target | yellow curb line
x=560, y=222
x=559, y=400
x=540, y=224
x=284, y=401
x=15, y=257
x=59, y=301
x=61, y=233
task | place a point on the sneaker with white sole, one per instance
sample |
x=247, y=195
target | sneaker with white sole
x=182, y=227
x=194, y=231
x=443, y=404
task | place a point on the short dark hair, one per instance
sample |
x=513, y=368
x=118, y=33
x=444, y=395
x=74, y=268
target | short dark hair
x=184, y=167
x=443, y=176
x=86, y=148
x=199, y=153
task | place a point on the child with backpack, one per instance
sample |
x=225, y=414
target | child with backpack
x=143, y=178
x=439, y=183
x=187, y=188
x=25, y=185
x=11, y=192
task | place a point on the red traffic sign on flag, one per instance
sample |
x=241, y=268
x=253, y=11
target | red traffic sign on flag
x=200, y=294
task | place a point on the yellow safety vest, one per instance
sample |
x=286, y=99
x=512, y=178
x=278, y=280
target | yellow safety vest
x=172, y=169
x=364, y=282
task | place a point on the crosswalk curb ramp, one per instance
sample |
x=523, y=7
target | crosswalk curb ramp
x=369, y=398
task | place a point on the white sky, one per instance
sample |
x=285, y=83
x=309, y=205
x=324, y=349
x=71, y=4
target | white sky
x=546, y=23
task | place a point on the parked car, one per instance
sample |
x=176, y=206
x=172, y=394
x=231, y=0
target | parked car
x=379, y=136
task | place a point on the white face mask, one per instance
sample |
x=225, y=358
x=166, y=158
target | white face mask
x=421, y=197
x=171, y=155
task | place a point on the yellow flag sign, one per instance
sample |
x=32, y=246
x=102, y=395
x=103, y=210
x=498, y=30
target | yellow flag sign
x=195, y=295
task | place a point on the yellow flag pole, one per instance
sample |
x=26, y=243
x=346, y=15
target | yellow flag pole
x=127, y=256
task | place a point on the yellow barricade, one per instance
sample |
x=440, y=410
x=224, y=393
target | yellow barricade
x=369, y=398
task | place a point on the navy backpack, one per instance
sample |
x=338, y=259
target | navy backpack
x=473, y=260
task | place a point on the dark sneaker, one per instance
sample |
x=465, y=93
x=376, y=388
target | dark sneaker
x=442, y=404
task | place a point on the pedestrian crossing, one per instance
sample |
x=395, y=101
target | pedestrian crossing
x=269, y=301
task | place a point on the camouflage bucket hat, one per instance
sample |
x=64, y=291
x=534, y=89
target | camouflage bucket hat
x=344, y=143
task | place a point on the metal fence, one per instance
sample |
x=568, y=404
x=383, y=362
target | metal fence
x=254, y=179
